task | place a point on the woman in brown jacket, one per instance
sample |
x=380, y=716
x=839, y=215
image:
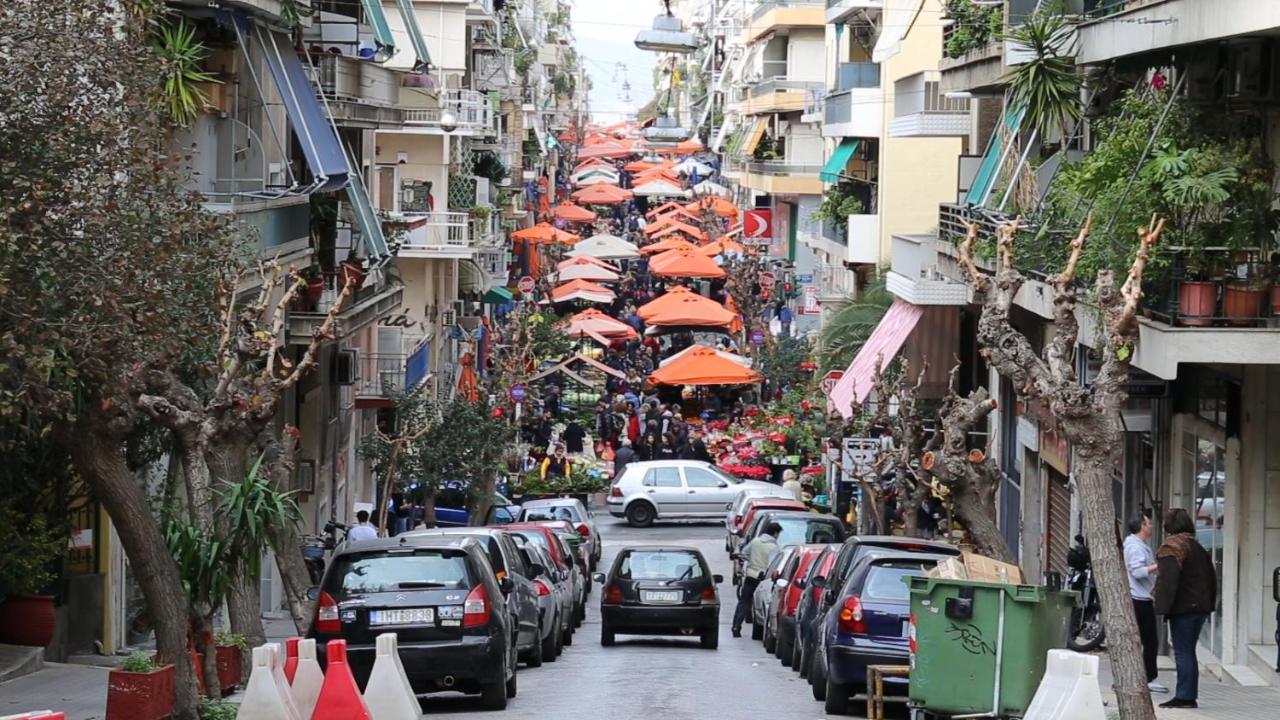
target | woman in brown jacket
x=1186, y=592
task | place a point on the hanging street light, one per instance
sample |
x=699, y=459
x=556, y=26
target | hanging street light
x=667, y=35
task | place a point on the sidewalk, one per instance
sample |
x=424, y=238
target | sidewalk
x=1218, y=700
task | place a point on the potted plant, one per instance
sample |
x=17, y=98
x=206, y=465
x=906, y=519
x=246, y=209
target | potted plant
x=139, y=689
x=352, y=272
x=315, y=284
x=231, y=649
x=27, y=617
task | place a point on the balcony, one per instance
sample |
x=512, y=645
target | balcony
x=922, y=110
x=856, y=112
x=842, y=11
x=1232, y=288
x=915, y=273
x=777, y=94
x=472, y=111
x=863, y=239
x=836, y=283
x=782, y=177
x=360, y=93
x=1120, y=28
x=372, y=302
x=771, y=16
x=481, y=12
x=379, y=376
x=433, y=234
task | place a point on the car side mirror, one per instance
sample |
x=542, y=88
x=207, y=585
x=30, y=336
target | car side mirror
x=313, y=593
x=819, y=582
x=800, y=583
x=722, y=484
x=536, y=569
x=506, y=585
x=598, y=577
x=717, y=579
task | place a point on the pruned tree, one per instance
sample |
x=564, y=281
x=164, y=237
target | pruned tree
x=906, y=432
x=1089, y=415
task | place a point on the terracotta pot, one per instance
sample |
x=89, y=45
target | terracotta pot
x=353, y=274
x=1196, y=302
x=27, y=620
x=1275, y=301
x=315, y=288
x=1241, y=304
x=140, y=696
x=228, y=668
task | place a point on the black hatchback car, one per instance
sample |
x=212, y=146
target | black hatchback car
x=440, y=597
x=660, y=590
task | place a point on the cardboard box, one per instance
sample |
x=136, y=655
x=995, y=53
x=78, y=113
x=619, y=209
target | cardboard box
x=971, y=566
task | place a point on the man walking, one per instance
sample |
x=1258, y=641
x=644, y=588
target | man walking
x=759, y=553
x=362, y=530
x=1140, y=561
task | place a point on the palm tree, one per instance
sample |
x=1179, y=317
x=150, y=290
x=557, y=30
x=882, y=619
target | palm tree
x=844, y=333
x=1047, y=84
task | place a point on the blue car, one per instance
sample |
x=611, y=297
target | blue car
x=451, y=508
x=867, y=625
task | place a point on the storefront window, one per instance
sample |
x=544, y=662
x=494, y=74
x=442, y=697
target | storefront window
x=1209, y=511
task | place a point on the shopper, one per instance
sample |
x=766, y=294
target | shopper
x=758, y=554
x=1140, y=561
x=1186, y=592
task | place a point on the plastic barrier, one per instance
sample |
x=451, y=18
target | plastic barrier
x=388, y=694
x=1069, y=689
x=339, y=696
x=291, y=658
x=277, y=669
x=36, y=715
x=308, y=678
x=263, y=699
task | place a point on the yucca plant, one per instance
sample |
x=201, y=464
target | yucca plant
x=1047, y=84
x=181, y=53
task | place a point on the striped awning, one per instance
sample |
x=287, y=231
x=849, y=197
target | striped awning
x=885, y=342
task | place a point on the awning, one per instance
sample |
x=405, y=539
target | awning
x=704, y=366
x=894, y=28
x=382, y=37
x=839, y=159
x=989, y=169
x=418, y=366
x=366, y=217
x=753, y=137
x=498, y=295
x=311, y=124
x=884, y=343
x=416, y=39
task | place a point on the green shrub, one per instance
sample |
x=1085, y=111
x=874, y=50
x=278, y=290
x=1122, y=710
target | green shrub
x=138, y=662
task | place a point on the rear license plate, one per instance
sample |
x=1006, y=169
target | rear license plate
x=404, y=616
x=660, y=596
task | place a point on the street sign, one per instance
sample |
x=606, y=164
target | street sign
x=805, y=279
x=829, y=381
x=757, y=337
x=767, y=280
x=517, y=392
x=757, y=224
x=859, y=455
x=811, y=306
x=526, y=285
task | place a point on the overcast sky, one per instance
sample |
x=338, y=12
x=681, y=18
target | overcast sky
x=606, y=32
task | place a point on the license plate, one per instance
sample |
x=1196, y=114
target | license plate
x=404, y=616
x=660, y=596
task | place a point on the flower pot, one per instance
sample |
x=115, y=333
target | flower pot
x=353, y=275
x=27, y=620
x=1275, y=300
x=1242, y=304
x=1196, y=302
x=315, y=288
x=229, y=657
x=140, y=696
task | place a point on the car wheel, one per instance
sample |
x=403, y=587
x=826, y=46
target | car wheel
x=817, y=679
x=640, y=514
x=511, y=686
x=493, y=696
x=533, y=656
x=798, y=660
x=606, y=635
x=711, y=638
x=566, y=637
x=837, y=700
x=782, y=651
x=757, y=631
x=770, y=642
x=551, y=644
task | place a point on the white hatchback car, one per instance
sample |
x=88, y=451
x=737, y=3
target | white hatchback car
x=675, y=490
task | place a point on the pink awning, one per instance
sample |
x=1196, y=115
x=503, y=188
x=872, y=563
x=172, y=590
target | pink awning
x=885, y=342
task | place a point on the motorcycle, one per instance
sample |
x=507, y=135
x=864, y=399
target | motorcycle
x=1087, y=631
x=316, y=547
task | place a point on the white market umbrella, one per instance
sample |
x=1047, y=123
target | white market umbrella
x=706, y=187
x=690, y=166
x=596, y=180
x=659, y=188
x=605, y=247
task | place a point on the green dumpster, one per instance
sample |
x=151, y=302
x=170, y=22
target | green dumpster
x=978, y=648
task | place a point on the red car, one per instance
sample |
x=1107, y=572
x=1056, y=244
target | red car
x=753, y=506
x=780, y=628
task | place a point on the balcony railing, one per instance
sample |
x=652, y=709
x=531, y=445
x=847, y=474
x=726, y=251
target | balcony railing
x=781, y=83
x=782, y=168
x=347, y=78
x=764, y=7
x=857, y=75
x=836, y=281
x=381, y=375
x=472, y=110
x=426, y=231
x=1223, y=288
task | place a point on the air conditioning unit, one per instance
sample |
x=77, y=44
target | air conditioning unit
x=346, y=367
x=448, y=317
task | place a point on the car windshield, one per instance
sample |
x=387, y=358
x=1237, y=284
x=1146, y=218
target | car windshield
x=397, y=570
x=660, y=565
x=542, y=514
x=885, y=580
x=803, y=531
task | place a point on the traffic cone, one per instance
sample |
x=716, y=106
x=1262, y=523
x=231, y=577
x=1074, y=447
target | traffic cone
x=291, y=658
x=339, y=696
x=388, y=694
x=262, y=698
x=308, y=679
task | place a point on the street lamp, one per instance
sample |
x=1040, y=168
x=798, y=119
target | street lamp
x=665, y=130
x=667, y=35
x=448, y=121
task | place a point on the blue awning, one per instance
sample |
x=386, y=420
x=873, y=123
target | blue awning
x=366, y=217
x=835, y=165
x=419, y=43
x=989, y=168
x=417, y=367
x=312, y=125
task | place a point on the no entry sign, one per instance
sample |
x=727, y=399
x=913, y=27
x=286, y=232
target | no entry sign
x=525, y=285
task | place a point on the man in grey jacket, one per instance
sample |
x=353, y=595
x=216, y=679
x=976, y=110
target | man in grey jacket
x=758, y=553
x=1140, y=561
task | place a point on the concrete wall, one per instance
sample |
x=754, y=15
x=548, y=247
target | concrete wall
x=1258, y=503
x=444, y=26
x=806, y=55
x=427, y=159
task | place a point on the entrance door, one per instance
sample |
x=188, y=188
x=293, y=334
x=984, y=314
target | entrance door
x=1208, y=512
x=1057, y=528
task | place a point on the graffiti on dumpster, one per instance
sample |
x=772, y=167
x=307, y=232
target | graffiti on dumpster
x=970, y=638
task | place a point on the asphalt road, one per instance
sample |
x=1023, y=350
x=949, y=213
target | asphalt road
x=659, y=678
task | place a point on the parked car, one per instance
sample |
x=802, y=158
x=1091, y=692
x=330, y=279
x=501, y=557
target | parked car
x=854, y=549
x=555, y=598
x=750, y=508
x=564, y=559
x=762, y=600
x=660, y=590
x=674, y=490
x=867, y=626
x=798, y=528
x=443, y=600
x=780, y=628
x=571, y=510
x=811, y=591
x=734, y=514
x=507, y=563
x=452, y=510
x=573, y=539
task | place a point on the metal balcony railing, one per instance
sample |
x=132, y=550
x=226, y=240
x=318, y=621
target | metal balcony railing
x=836, y=281
x=778, y=168
x=857, y=75
x=381, y=375
x=427, y=230
x=780, y=83
x=471, y=110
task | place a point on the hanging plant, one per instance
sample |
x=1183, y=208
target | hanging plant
x=181, y=54
x=291, y=13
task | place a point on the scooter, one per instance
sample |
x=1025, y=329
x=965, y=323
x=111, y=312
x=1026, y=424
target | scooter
x=316, y=547
x=1087, y=631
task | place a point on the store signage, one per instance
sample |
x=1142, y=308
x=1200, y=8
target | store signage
x=757, y=225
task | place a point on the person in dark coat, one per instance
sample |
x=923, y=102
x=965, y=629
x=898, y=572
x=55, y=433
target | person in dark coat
x=1186, y=592
x=623, y=457
x=667, y=451
x=651, y=446
x=573, y=436
x=699, y=448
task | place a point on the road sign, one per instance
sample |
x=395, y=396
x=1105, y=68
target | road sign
x=811, y=306
x=526, y=285
x=829, y=381
x=767, y=280
x=517, y=392
x=757, y=337
x=859, y=455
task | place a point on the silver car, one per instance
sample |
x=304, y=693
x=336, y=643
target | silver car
x=762, y=600
x=572, y=511
x=674, y=490
x=738, y=508
x=556, y=602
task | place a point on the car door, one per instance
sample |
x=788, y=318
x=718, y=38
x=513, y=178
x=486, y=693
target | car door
x=665, y=488
x=523, y=593
x=709, y=495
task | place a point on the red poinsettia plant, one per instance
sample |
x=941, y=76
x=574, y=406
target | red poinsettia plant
x=747, y=472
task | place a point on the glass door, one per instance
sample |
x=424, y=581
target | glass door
x=1209, y=512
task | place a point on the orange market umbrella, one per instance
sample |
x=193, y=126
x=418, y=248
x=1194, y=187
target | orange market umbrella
x=685, y=263
x=591, y=321
x=682, y=306
x=609, y=149
x=588, y=260
x=593, y=163
x=601, y=195
x=687, y=147
x=636, y=166
x=671, y=242
x=655, y=174
x=718, y=205
x=669, y=208
x=723, y=245
x=675, y=226
x=545, y=233
x=582, y=290
x=586, y=271
x=703, y=366
x=573, y=213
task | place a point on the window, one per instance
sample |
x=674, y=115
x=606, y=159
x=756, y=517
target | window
x=386, y=572
x=803, y=531
x=660, y=565
x=662, y=477
x=700, y=478
x=885, y=581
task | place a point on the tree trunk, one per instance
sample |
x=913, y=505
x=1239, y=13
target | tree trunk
x=99, y=462
x=202, y=632
x=226, y=461
x=277, y=457
x=1093, y=473
x=195, y=470
x=245, y=610
x=979, y=518
x=482, y=500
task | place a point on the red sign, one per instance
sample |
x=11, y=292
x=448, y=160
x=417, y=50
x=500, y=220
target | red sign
x=526, y=285
x=767, y=280
x=758, y=224
x=830, y=379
